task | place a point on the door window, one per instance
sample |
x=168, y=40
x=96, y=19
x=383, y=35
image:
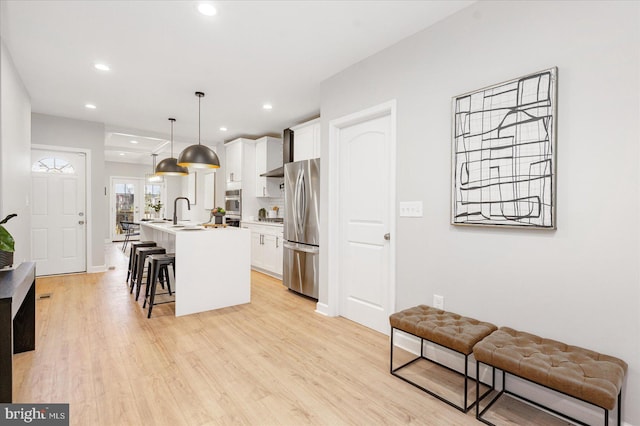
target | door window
x=52, y=165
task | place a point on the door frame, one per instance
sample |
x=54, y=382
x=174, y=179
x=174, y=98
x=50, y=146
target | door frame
x=333, y=250
x=143, y=182
x=88, y=231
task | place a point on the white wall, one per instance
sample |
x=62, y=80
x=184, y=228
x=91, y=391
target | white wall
x=15, y=155
x=111, y=169
x=579, y=284
x=66, y=132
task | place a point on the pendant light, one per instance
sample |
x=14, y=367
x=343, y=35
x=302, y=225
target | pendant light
x=169, y=166
x=198, y=156
x=153, y=177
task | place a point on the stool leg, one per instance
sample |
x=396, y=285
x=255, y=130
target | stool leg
x=152, y=295
x=141, y=280
x=139, y=272
x=151, y=278
x=161, y=277
x=134, y=269
x=130, y=263
x=126, y=240
x=165, y=271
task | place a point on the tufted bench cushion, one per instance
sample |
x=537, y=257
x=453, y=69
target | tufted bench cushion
x=574, y=371
x=444, y=328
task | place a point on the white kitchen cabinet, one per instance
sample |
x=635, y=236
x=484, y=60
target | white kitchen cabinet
x=239, y=168
x=266, y=248
x=306, y=140
x=268, y=157
x=278, y=254
x=209, y=191
x=233, y=158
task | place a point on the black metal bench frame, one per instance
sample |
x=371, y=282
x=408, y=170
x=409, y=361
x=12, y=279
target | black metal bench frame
x=464, y=408
x=505, y=391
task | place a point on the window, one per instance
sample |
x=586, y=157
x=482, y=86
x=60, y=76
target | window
x=52, y=165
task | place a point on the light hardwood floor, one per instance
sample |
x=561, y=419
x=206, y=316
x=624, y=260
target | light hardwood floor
x=271, y=362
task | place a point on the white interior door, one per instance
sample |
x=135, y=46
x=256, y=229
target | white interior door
x=365, y=221
x=58, y=212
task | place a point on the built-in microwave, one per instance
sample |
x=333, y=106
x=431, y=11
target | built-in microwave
x=233, y=202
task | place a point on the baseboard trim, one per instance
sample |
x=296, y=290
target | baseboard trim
x=96, y=269
x=267, y=272
x=322, y=309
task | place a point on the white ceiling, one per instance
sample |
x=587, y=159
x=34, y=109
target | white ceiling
x=162, y=52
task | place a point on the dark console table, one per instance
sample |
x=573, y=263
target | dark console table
x=17, y=320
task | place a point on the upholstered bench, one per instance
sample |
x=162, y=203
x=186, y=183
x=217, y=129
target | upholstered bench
x=442, y=328
x=580, y=373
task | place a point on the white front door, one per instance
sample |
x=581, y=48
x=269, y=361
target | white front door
x=366, y=200
x=58, y=212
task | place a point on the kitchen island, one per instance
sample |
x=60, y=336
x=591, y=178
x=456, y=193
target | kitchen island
x=213, y=265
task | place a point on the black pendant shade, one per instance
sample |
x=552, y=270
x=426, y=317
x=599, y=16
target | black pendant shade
x=198, y=156
x=169, y=166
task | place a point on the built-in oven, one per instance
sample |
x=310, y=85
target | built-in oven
x=232, y=221
x=233, y=203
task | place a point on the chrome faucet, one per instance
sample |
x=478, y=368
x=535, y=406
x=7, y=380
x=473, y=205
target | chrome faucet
x=175, y=208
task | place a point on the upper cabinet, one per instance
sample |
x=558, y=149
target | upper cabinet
x=233, y=168
x=306, y=140
x=268, y=157
x=209, y=191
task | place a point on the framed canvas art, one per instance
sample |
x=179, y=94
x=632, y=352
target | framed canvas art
x=503, y=154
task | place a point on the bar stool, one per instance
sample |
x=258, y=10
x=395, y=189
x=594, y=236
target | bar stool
x=132, y=254
x=158, y=263
x=141, y=257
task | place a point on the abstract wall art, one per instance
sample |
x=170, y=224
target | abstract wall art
x=503, y=154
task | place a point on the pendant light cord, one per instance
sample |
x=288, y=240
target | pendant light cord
x=199, y=99
x=172, y=120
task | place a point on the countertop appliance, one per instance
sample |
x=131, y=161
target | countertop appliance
x=301, y=226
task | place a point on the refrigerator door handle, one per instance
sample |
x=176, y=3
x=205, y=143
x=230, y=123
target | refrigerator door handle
x=301, y=247
x=299, y=204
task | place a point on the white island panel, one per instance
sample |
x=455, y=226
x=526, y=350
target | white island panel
x=213, y=266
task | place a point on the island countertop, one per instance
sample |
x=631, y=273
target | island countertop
x=213, y=265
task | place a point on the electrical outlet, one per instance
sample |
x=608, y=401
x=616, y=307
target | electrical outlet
x=438, y=302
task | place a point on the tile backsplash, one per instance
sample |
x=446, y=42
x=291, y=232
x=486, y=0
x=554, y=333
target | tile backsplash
x=269, y=203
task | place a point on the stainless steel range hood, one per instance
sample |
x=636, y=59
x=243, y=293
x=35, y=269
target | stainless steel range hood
x=287, y=154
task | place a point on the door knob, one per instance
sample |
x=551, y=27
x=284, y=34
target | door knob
x=387, y=236
x=81, y=222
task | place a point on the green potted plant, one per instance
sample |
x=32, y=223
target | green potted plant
x=7, y=243
x=155, y=207
x=218, y=212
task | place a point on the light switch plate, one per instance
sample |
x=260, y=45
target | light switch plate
x=411, y=209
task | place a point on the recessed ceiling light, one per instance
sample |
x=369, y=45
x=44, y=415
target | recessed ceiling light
x=90, y=106
x=223, y=129
x=133, y=141
x=122, y=153
x=207, y=9
x=267, y=106
x=102, y=67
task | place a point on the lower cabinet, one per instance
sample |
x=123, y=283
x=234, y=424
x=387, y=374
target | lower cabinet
x=266, y=249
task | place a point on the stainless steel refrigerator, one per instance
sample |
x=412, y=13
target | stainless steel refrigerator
x=301, y=226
